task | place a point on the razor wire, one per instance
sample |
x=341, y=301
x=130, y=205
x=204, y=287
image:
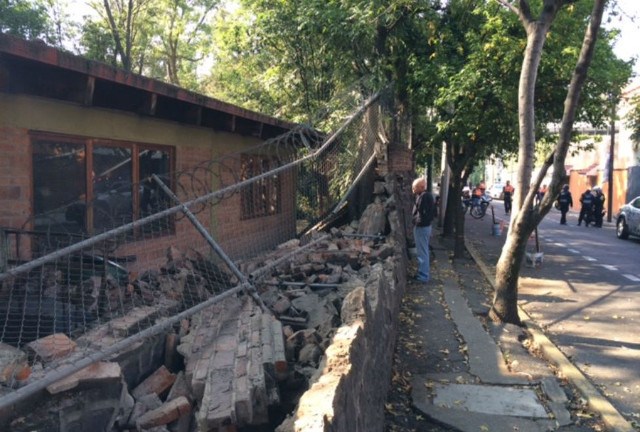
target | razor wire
x=197, y=245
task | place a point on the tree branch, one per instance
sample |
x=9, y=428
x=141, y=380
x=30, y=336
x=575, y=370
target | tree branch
x=115, y=33
x=523, y=11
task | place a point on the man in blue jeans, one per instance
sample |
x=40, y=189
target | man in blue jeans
x=423, y=213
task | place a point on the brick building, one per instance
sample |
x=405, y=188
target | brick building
x=589, y=168
x=79, y=141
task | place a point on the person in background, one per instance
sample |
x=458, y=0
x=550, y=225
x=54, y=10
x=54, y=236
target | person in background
x=564, y=202
x=507, y=194
x=598, y=207
x=586, y=211
x=541, y=193
x=477, y=194
x=423, y=213
x=482, y=187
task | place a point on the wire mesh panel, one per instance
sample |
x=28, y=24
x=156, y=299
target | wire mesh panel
x=133, y=258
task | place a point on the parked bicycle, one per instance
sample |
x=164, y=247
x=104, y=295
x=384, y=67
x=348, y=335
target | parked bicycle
x=477, y=207
x=466, y=204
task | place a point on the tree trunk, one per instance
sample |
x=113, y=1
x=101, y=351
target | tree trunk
x=505, y=300
x=505, y=308
x=459, y=244
x=453, y=201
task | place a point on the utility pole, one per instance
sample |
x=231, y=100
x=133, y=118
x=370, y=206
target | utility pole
x=611, y=155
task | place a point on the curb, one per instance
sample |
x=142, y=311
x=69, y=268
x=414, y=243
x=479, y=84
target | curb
x=595, y=401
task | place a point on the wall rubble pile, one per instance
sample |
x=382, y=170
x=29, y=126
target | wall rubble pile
x=330, y=328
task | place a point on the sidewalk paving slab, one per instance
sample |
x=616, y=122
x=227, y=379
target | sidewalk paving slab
x=489, y=395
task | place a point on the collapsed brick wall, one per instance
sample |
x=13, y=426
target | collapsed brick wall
x=349, y=391
x=351, y=381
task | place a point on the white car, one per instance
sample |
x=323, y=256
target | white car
x=495, y=191
x=628, y=219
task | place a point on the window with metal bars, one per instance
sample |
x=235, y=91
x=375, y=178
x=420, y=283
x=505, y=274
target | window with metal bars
x=261, y=197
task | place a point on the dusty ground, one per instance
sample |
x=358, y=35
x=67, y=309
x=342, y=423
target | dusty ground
x=428, y=342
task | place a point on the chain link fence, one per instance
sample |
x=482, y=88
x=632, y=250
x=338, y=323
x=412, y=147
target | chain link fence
x=195, y=237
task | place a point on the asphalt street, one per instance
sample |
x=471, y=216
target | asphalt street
x=584, y=296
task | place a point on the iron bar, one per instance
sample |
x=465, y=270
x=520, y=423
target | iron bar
x=354, y=183
x=216, y=248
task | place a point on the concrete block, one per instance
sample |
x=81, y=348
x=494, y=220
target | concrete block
x=487, y=399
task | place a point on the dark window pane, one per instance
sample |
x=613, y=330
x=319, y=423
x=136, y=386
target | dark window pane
x=112, y=187
x=152, y=198
x=59, y=182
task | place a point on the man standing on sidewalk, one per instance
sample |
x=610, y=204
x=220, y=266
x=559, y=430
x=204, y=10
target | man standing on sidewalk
x=423, y=212
x=507, y=195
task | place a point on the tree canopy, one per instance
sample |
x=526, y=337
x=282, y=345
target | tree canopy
x=26, y=19
x=162, y=39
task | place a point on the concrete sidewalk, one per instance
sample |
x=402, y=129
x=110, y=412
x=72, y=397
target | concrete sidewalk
x=504, y=387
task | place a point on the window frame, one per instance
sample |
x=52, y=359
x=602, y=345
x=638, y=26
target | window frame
x=261, y=198
x=89, y=144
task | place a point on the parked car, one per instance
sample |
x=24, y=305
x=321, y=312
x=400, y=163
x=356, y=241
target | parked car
x=628, y=219
x=495, y=191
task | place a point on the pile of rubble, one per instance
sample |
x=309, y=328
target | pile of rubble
x=230, y=365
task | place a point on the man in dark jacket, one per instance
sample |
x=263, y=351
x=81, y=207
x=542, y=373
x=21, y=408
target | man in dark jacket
x=598, y=207
x=586, y=211
x=423, y=213
x=564, y=202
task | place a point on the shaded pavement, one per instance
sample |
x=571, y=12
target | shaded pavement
x=455, y=370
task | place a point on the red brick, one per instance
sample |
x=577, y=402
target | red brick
x=9, y=192
x=52, y=347
x=167, y=413
x=95, y=372
x=158, y=382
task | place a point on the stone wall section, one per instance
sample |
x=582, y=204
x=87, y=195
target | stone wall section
x=350, y=388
